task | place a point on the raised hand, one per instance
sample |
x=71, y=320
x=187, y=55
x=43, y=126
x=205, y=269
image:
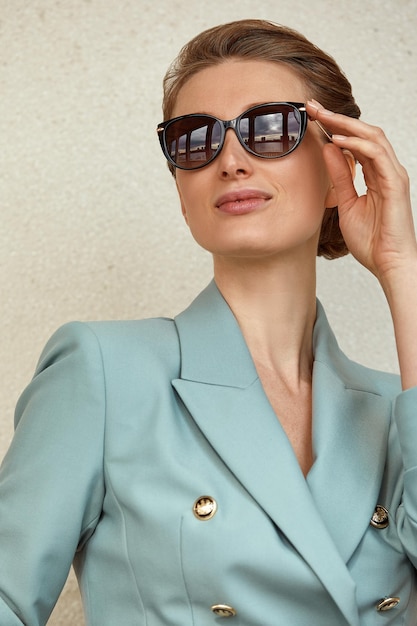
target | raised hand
x=377, y=226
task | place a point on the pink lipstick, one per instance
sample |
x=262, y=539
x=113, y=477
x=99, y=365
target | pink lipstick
x=242, y=201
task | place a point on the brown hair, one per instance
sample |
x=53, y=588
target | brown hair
x=265, y=41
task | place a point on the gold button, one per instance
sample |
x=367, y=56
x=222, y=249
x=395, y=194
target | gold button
x=386, y=604
x=380, y=517
x=205, y=508
x=223, y=610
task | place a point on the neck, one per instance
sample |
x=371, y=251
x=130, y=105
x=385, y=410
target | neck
x=275, y=306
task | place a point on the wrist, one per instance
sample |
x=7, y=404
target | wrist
x=400, y=288
x=400, y=281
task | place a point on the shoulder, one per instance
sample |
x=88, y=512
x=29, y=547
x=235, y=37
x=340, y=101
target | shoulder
x=113, y=342
x=372, y=380
x=353, y=375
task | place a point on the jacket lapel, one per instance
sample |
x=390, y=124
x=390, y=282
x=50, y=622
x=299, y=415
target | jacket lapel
x=220, y=387
x=350, y=433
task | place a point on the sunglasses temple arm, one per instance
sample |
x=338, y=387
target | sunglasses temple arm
x=323, y=130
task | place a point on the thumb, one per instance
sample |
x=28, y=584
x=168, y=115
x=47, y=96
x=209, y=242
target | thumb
x=341, y=176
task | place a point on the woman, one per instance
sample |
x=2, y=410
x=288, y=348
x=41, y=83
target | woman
x=233, y=463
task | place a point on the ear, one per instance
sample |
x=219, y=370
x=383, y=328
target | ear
x=183, y=210
x=331, y=200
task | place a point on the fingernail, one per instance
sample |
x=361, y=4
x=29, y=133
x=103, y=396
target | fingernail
x=314, y=104
x=339, y=137
x=319, y=107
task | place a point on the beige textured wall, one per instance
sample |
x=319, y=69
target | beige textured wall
x=90, y=224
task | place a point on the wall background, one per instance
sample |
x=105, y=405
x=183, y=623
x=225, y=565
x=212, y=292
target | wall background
x=90, y=224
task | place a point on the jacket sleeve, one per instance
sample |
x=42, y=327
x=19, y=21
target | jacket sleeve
x=405, y=411
x=51, y=479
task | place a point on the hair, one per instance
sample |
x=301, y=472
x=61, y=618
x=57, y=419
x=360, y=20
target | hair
x=262, y=40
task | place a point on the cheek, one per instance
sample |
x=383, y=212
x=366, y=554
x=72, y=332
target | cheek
x=191, y=194
x=312, y=185
x=184, y=197
x=193, y=188
x=184, y=211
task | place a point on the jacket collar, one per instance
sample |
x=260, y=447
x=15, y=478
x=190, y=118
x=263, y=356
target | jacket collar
x=213, y=350
x=328, y=513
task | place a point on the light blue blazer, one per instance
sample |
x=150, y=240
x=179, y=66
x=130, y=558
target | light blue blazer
x=132, y=434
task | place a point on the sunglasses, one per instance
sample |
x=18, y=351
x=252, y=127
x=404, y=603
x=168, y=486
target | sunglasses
x=269, y=131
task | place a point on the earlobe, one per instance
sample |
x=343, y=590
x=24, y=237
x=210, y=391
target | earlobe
x=331, y=201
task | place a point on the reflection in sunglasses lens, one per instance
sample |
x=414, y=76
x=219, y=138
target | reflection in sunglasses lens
x=272, y=133
x=267, y=131
x=193, y=141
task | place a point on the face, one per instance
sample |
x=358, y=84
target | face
x=240, y=205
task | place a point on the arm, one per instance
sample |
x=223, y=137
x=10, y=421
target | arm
x=51, y=484
x=401, y=293
x=377, y=227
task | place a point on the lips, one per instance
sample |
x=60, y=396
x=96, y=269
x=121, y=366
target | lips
x=242, y=201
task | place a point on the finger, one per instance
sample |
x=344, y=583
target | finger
x=376, y=161
x=351, y=127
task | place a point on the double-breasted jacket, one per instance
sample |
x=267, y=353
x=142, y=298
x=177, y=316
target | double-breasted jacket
x=147, y=453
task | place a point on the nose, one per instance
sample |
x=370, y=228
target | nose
x=233, y=159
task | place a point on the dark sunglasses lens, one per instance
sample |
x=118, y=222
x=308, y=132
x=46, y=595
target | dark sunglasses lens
x=271, y=131
x=192, y=141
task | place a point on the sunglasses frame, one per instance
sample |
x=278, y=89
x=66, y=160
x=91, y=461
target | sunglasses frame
x=234, y=123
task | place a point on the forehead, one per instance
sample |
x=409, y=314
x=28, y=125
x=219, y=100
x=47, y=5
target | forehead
x=227, y=89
